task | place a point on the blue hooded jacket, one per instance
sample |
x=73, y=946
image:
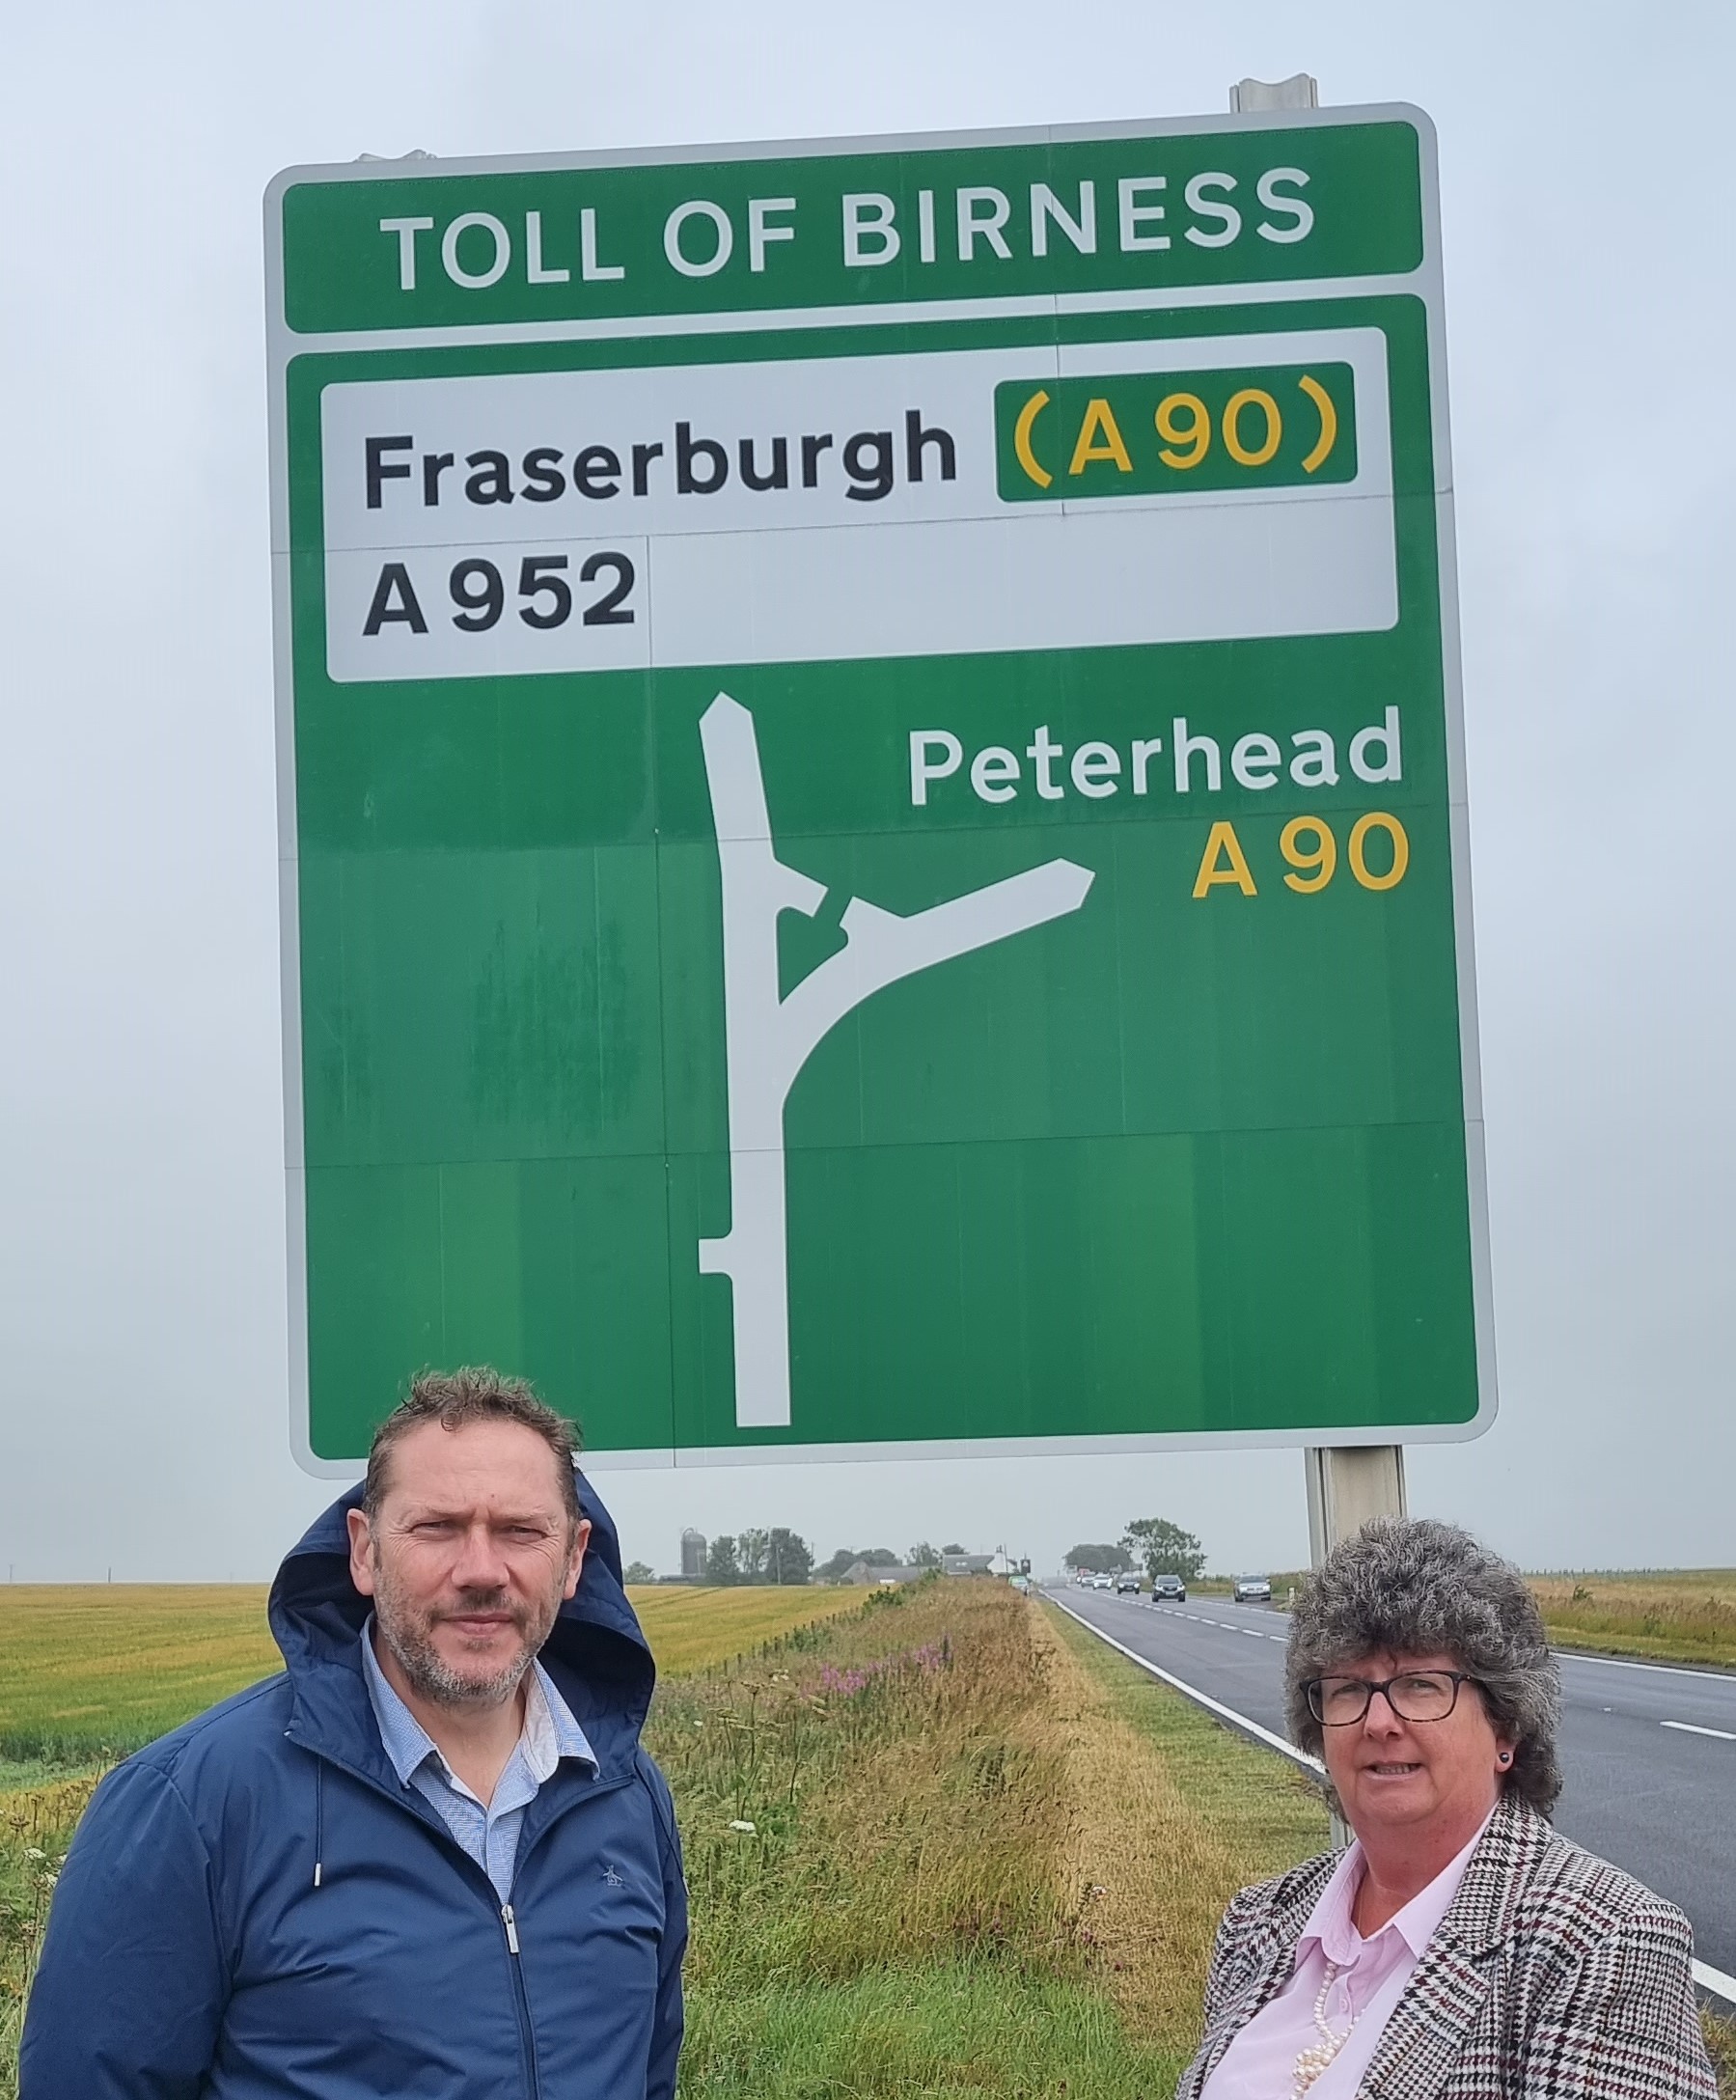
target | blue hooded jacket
x=255, y=1907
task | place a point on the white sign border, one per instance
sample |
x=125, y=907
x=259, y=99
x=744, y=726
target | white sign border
x=282, y=344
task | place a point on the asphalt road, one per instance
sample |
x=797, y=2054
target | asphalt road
x=1649, y=1751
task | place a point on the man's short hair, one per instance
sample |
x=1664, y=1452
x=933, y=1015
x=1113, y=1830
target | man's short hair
x=455, y=1400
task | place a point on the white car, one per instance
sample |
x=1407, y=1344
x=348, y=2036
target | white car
x=1253, y=1590
x=1103, y=1582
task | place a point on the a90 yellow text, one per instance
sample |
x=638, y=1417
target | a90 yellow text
x=1310, y=846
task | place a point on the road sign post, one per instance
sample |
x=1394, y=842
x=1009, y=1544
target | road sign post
x=873, y=826
x=1346, y=1488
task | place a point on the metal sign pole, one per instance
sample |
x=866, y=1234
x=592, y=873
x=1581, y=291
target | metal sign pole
x=1346, y=1486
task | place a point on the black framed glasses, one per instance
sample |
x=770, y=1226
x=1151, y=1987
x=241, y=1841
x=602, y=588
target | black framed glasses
x=1416, y=1695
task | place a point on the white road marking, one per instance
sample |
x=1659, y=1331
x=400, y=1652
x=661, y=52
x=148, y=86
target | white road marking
x=1688, y=1727
x=1202, y=1699
x=1715, y=1982
x=1670, y=1670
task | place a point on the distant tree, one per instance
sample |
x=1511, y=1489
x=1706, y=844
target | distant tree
x=750, y=1556
x=1100, y=1560
x=721, y=1564
x=639, y=1572
x=1165, y=1548
x=847, y=1558
x=922, y=1555
x=787, y=1557
x=952, y=1549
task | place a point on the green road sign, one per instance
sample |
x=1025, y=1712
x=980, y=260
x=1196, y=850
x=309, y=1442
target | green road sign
x=873, y=806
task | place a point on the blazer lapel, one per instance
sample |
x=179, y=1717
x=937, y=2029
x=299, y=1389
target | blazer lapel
x=1265, y=1978
x=1424, y=2039
x=1262, y=1965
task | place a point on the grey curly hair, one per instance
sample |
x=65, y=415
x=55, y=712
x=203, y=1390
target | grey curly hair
x=1419, y=1587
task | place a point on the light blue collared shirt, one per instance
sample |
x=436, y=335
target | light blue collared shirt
x=489, y=1833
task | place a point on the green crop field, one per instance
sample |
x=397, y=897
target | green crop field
x=90, y=1672
x=693, y=1629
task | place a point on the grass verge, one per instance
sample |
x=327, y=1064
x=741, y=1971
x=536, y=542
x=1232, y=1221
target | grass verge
x=1720, y=2047
x=963, y=1849
x=1677, y=1616
x=1174, y=1816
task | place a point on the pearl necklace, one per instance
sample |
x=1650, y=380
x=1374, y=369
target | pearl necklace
x=1313, y=2060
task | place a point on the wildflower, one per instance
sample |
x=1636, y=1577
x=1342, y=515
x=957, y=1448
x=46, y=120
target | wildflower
x=738, y=1824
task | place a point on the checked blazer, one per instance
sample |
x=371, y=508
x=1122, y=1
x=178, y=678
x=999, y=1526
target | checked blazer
x=1553, y=1977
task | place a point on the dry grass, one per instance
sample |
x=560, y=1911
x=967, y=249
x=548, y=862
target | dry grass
x=1720, y=2047
x=950, y=1798
x=1155, y=1862
x=878, y=1824
x=1684, y=1616
x=36, y=1828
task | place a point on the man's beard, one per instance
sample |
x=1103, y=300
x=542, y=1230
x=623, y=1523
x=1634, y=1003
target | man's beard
x=409, y=1632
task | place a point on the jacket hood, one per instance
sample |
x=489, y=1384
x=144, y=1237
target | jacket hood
x=317, y=1616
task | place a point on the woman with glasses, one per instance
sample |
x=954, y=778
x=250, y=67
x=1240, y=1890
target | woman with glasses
x=1458, y=1949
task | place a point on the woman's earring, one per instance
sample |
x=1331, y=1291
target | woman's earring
x=1505, y=1757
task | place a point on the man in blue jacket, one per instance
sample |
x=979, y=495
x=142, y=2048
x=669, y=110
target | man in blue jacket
x=431, y=1857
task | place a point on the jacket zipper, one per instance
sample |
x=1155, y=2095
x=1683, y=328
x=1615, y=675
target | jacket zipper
x=527, y=2035
x=508, y=1917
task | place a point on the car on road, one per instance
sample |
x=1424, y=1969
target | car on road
x=1126, y=1582
x=1169, y=1589
x=1253, y=1590
x=1103, y=1582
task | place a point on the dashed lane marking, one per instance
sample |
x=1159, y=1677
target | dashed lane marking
x=1688, y=1727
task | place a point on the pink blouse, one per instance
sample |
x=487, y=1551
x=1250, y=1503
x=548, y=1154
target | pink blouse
x=1260, y=2063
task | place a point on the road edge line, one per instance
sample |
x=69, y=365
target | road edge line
x=1639, y=1662
x=1311, y=1765
x=1713, y=1982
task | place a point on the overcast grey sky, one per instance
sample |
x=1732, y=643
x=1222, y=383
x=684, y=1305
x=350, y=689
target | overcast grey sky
x=1588, y=256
